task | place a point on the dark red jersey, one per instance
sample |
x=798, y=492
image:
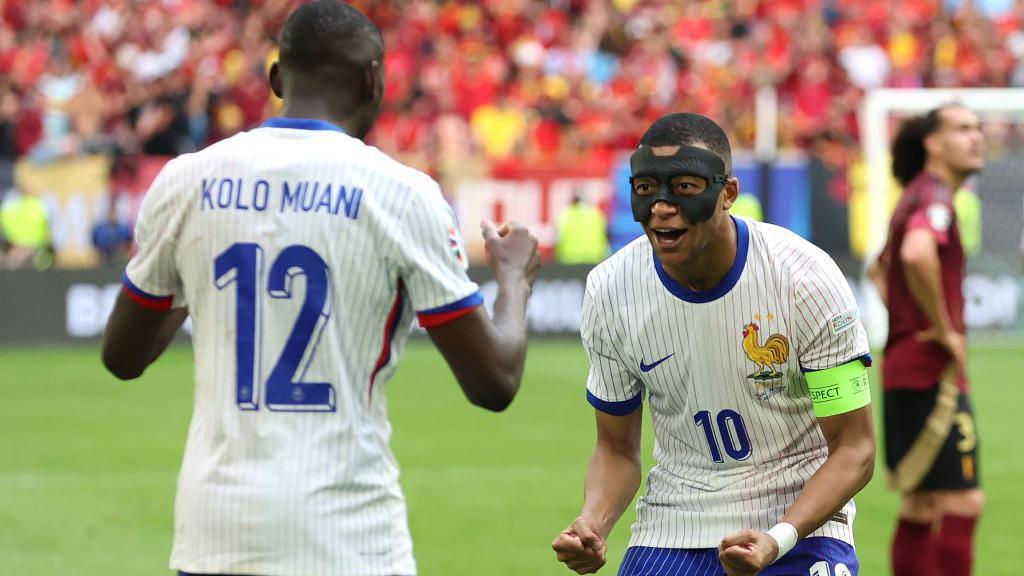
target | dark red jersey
x=911, y=364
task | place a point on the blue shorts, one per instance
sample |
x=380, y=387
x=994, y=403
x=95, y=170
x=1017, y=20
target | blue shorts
x=817, y=556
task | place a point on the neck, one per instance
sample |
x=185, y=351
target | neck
x=317, y=108
x=707, y=269
x=944, y=173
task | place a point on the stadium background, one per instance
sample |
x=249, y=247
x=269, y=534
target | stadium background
x=516, y=106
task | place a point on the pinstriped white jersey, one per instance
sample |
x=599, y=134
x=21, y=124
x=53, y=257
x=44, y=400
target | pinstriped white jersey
x=736, y=437
x=301, y=254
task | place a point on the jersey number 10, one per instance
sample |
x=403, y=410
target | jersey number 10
x=735, y=441
x=242, y=264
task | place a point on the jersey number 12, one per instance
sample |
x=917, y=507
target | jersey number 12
x=242, y=264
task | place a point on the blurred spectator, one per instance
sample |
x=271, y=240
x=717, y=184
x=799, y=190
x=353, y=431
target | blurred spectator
x=25, y=227
x=747, y=206
x=582, y=234
x=499, y=127
x=967, y=206
x=112, y=238
x=866, y=62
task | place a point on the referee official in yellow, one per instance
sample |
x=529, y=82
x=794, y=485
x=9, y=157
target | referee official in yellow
x=582, y=234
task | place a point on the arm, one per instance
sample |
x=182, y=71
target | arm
x=833, y=353
x=487, y=357
x=136, y=336
x=848, y=468
x=920, y=256
x=613, y=478
x=144, y=319
x=877, y=272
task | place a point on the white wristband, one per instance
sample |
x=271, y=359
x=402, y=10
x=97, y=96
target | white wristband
x=786, y=536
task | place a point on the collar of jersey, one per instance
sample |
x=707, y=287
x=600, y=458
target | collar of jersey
x=723, y=287
x=301, y=124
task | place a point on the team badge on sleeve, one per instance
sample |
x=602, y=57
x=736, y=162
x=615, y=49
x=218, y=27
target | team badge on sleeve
x=458, y=249
x=939, y=216
x=844, y=321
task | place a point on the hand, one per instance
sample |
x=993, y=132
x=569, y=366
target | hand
x=746, y=553
x=580, y=547
x=950, y=340
x=511, y=250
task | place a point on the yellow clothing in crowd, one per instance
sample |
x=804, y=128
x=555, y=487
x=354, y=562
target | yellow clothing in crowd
x=967, y=206
x=24, y=222
x=747, y=206
x=582, y=235
x=499, y=130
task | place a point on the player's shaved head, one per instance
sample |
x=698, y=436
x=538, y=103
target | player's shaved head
x=689, y=129
x=331, y=65
x=329, y=36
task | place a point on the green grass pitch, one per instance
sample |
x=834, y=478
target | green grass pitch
x=88, y=465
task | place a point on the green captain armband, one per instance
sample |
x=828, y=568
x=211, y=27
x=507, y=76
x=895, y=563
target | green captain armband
x=839, y=390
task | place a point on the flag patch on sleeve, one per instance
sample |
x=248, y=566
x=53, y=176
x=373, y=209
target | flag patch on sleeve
x=458, y=250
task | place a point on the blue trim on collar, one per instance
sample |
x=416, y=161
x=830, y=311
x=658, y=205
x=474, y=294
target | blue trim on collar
x=723, y=287
x=301, y=124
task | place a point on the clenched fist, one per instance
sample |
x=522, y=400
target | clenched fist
x=580, y=547
x=746, y=553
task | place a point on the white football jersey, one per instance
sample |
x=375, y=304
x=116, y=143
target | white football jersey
x=735, y=433
x=301, y=254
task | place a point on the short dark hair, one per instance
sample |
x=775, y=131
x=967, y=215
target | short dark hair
x=687, y=129
x=908, y=153
x=329, y=35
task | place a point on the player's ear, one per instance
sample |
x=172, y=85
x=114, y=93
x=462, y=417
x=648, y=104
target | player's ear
x=732, y=191
x=274, y=77
x=374, y=81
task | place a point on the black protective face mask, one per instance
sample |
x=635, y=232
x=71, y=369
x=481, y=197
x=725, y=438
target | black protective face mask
x=687, y=161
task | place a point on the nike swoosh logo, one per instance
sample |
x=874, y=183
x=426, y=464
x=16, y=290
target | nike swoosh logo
x=653, y=365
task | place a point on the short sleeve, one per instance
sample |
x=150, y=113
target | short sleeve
x=611, y=388
x=827, y=317
x=935, y=216
x=151, y=278
x=434, y=261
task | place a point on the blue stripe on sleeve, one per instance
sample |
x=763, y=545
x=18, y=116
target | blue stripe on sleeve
x=865, y=359
x=140, y=292
x=474, y=299
x=620, y=408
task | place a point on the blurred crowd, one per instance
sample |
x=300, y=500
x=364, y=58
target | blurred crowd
x=497, y=80
x=475, y=85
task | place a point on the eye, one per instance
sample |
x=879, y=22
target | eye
x=643, y=187
x=685, y=188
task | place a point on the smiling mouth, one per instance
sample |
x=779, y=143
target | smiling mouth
x=669, y=235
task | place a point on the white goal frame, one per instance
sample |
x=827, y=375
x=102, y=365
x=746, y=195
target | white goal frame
x=879, y=104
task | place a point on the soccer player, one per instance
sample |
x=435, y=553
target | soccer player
x=931, y=444
x=747, y=342
x=301, y=254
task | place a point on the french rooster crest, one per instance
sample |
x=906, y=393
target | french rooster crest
x=774, y=352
